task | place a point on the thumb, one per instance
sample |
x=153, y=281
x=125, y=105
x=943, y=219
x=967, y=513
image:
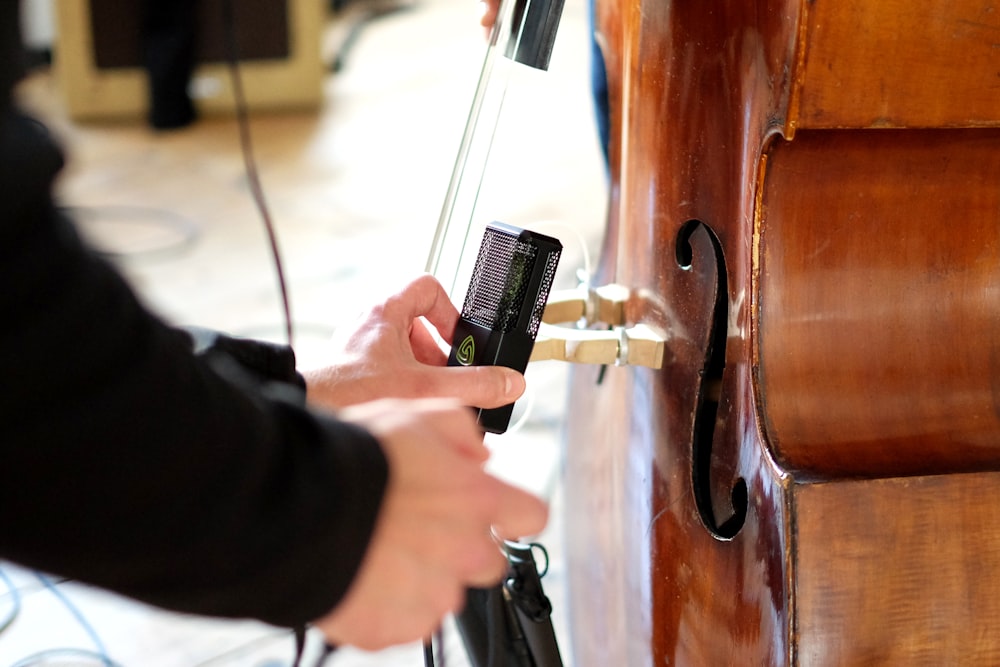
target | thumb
x=481, y=386
x=519, y=513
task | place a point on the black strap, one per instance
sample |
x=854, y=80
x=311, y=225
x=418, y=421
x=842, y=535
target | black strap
x=300, y=647
x=428, y=653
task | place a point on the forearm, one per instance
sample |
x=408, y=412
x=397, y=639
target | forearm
x=135, y=465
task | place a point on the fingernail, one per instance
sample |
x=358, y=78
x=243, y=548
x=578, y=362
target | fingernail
x=513, y=384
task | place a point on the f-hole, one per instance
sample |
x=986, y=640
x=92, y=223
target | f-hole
x=709, y=392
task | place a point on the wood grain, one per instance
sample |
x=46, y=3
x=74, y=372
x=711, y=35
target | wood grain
x=849, y=400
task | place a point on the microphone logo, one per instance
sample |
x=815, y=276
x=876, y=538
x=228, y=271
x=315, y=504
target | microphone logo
x=466, y=351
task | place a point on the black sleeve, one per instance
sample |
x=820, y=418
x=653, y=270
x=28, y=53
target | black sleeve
x=130, y=462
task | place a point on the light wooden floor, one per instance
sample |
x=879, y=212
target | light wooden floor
x=355, y=189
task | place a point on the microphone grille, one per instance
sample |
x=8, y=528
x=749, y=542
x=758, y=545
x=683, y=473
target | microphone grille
x=548, y=275
x=502, y=279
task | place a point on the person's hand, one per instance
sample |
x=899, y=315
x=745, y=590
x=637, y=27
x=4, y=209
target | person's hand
x=432, y=539
x=488, y=13
x=390, y=353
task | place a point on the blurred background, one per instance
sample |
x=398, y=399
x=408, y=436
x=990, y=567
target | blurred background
x=355, y=135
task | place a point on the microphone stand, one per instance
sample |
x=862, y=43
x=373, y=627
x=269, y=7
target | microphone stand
x=510, y=624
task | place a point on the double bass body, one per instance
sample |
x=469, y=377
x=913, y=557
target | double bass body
x=806, y=201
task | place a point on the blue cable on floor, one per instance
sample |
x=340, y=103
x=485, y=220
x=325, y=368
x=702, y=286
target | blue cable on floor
x=100, y=655
x=15, y=602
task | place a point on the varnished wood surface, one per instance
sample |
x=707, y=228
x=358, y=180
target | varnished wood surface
x=898, y=571
x=692, y=103
x=898, y=63
x=845, y=266
x=880, y=266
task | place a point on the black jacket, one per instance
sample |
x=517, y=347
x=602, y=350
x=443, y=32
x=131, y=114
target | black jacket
x=196, y=482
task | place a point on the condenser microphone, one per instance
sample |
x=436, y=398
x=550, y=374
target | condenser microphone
x=503, y=307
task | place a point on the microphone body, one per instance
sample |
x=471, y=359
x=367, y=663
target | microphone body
x=504, y=304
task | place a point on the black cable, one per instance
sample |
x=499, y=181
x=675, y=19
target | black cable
x=428, y=653
x=442, y=654
x=328, y=650
x=429, y=649
x=300, y=645
x=257, y=191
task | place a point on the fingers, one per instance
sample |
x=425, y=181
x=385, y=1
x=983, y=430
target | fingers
x=423, y=297
x=434, y=536
x=472, y=386
x=519, y=513
x=463, y=547
x=425, y=346
x=479, y=386
x=422, y=439
x=488, y=12
x=394, y=599
x=434, y=421
x=456, y=427
x=393, y=353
